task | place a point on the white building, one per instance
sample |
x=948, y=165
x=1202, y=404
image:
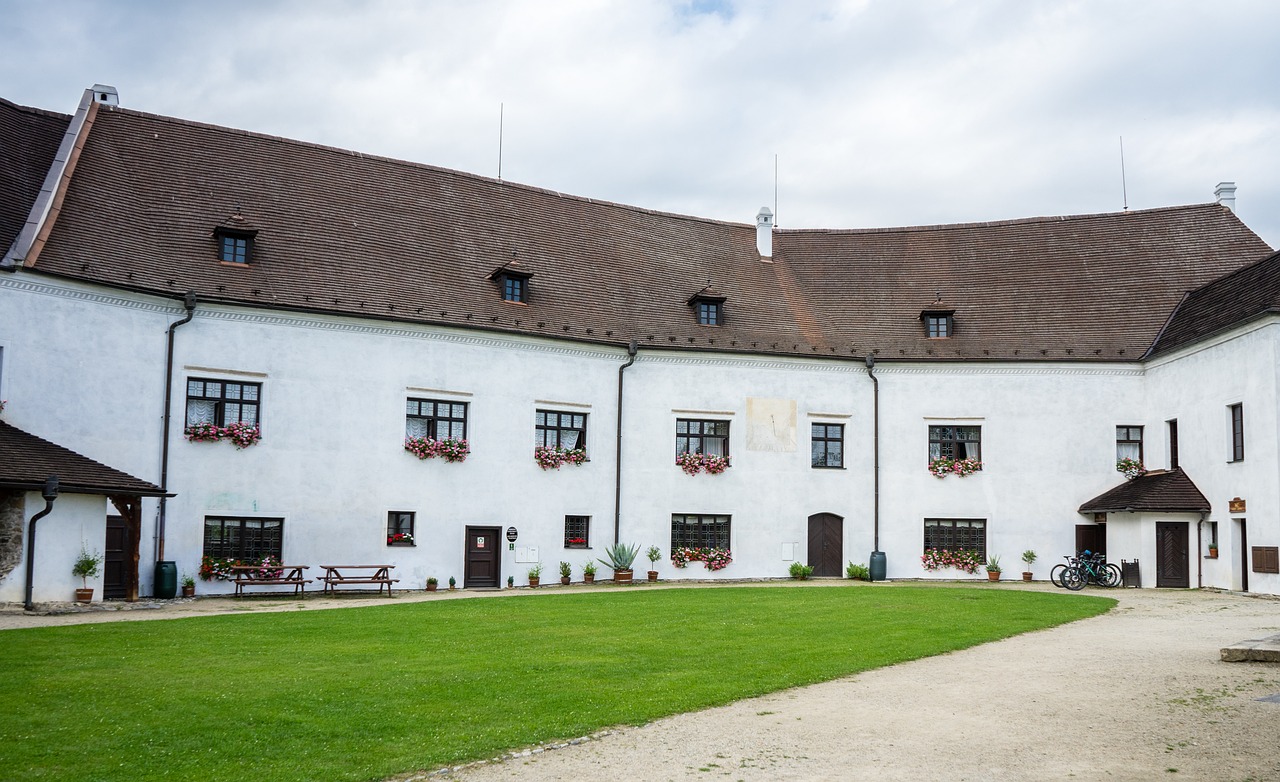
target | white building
x=343, y=302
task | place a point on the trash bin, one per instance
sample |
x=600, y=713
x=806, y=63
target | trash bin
x=166, y=579
x=877, y=566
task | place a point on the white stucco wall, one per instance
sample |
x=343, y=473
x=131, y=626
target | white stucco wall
x=84, y=368
x=75, y=520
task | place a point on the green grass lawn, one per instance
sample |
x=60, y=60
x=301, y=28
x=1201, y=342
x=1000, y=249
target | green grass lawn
x=366, y=692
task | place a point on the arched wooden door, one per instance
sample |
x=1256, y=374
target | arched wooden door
x=826, y=544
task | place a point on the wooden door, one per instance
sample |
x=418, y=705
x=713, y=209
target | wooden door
x=1173, y=565
x=483, y=558
x=1091, y=537
x=826, y=544
x=115, y=559
x=1244, y=556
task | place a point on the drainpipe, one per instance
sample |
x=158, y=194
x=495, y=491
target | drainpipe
x=188, y=301
x=632, y=349
x=1200, y=550
x=50, y=494
x=877, y=556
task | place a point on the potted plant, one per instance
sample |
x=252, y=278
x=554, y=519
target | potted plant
x=566, y=573
x=535, y=575
x=511, y=582
x=589, y=573
x=188, y=586
x=1028, y=557
x=432, y=583
x=453, y=583
x=1213, y=551
x=87, y=566
x=993, y=568
x=654, y=554
x=621, y=556
x=800, y=571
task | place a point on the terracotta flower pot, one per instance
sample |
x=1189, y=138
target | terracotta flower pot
x=653, y=575
x=189, y=591
x=588, y=578
x=84, y=595
x=534, y=581
x=622, y=576
x=431, y=587
x=565, y=581
x=993, y=576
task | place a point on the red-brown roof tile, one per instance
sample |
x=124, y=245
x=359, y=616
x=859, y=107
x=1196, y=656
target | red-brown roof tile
x=1167, y=491
x=27, y=460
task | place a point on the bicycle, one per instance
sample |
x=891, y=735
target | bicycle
x=1091, y=569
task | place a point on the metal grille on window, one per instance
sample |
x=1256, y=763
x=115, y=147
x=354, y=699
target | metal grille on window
x=956, y=535
x=577, y=531
x=699, y=531
x=247, y=540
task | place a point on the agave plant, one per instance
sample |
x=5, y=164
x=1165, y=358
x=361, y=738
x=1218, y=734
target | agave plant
x=620, y=556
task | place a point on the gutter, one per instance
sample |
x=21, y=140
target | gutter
x=875, y=428
x=632, y=350
x=188, y=301
x=50, y=494
x=44, y=212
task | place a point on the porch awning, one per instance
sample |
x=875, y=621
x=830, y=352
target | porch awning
x=27, y=460
x=1167, y=491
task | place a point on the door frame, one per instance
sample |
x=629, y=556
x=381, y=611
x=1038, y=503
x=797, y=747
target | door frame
x=474, y=529
x=1181, y=531
x=832, y=565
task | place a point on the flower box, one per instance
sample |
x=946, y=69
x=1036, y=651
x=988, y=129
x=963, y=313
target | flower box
x=713, y=558
x=554, y=458
x=241, y=434
x=963, y=560
x=449, y=449
x=943, y=467
x=694, y=463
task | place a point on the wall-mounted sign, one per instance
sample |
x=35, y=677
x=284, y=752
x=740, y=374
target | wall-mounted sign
x=1236, y=506
x=512, y=534
x=480, y=541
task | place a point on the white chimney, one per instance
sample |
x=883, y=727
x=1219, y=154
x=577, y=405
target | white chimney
x=105, y=93
x=764, y=232
x=1225, y=192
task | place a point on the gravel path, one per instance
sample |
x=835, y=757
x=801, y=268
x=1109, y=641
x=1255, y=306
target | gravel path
x=1136, y=694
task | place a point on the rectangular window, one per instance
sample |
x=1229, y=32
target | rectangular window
x=938, y=326
x=955, y=442
x=235, y=249
x=1129, y=443
x=699, y=531
x=828, y=445
x=246, y=540
x=560, y=430
x=436, y=419
x=708, y=313
x=1237, y=432
x=222, y=403
x=1266, y=559
x=400, y=528
x=956, y=535
x=1173, y=443
x=513, y=288
x=577, y=532
x=706, y=437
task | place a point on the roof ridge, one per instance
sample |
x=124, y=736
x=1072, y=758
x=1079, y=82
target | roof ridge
x=422, y=166
x=997, y=223
x=35, y=110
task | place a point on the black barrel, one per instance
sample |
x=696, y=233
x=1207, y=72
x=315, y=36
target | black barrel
x=166, y=579
x=877, y=566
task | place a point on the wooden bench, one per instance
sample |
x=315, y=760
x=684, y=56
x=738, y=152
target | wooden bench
x=281, y=575
x=336, y=576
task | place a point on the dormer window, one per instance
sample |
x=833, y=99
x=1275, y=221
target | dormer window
x=512, y=281
x=938, y=324
x=235, y=246
x=708, y=307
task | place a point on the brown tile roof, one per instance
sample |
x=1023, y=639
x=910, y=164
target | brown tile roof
x=29, y=139
x=27, y=460
x=1169, y=491
x=1226, y=302
x=349, y=234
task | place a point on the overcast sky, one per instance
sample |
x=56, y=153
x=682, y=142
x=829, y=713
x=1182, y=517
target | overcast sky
x=880, y=113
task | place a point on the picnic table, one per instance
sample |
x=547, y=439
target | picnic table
x=278, y=575
x=336, y=576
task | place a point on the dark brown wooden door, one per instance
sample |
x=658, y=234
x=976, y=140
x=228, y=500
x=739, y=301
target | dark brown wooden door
x=1244, y=556
x=115, y=559
x=826, y=544
x=1091, y=537
x=1173, y=566
x=483, y=559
